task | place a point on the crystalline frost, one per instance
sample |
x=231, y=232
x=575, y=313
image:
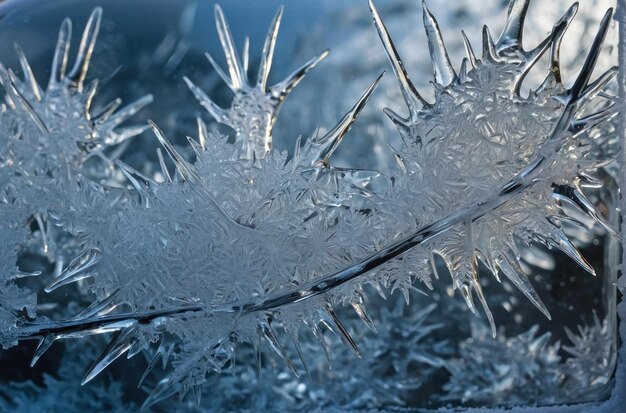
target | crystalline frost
x=246, y=245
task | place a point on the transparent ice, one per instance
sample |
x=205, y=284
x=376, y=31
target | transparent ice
x=230, y=255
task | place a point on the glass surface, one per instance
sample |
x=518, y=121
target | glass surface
x=433, y=352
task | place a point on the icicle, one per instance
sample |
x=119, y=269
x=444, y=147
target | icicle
x=106, y=112
x=317, y=333
x=483, y=301
x=129, y=110
x=267, y=55
x=516, y=275
x=530, y=60
x=141, y=183
x=44, y=234
x=237, y=76
x=590, y=62
x=511, y=37
x=119, y=345
x=164, y=390
x=379, y=290
x=166, y=173
x=361, y=311
x=581, y=125
x=561, y=241
x=88, y=96
x=444, y=73
x=59, y=61
x=203, y=134
x=578, y=198
x=464, y=71
x=469, y=226
x=572, y=210
x=109, y=123
x=31, y=112
x=590, y=92
x=532, y=57
x=296, y=344
x=245, y=54
x=335, y=135
x=135, y=348
x=138, y=179
x=466, y=292
x=402, y=125
x=555, y=58
x=98, y=307
x=76, y=270
x=23, y=274
x=587, y=180
x=330, y=320
x=269, y=336
x=220, y=72
x=27, y=71
x=81, y=66
x=217, y=112
x=487, y=258
x=405, y=293
x=90, y=327
x=433, y=265
x=469, y=50
x=195, y=146
x=121, y=136
x=557, y=220
x=182, y=166
x=321, y=148
x=163, y=352
x=282, y=89
x=489, y=49
x=43, y=346
x=16, y=99
x=412, y=98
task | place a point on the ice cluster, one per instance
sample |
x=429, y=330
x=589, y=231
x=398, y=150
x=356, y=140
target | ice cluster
x=203, y=258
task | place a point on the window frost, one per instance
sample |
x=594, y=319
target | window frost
x=255, y=107
x=49, y=135
x=243, y=239
x=485, y=372
x=64, y=393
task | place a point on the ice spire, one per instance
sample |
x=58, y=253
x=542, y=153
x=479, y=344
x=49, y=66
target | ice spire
x=255, y=107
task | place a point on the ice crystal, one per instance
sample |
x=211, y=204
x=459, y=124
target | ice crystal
x=480, y=134
x=399, y=358
x=48, y=138
x=591, y=352
x=528, y=367
x=255, y=108
x=258, y=198
x=244, y=244
x=396, y=364
x=64, y=393
x=59, y=122
x=505, y=371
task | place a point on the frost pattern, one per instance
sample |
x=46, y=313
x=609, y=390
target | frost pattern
x=244, y=243
x=48, y=137
x=481, y=112
x=64, y=393
x=527, y=367
x=255, y=108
